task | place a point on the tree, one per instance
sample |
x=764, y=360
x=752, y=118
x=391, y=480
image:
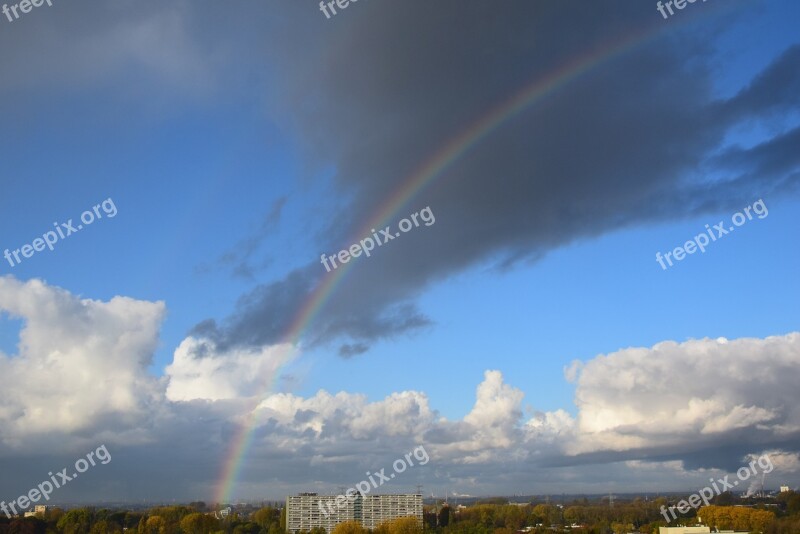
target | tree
x=401, y=525
x=349, y=527
x=266, y=516
x=444, y=516
x=154, y=525
x=514, y=517
x=200, y=506
x=792, y=501
x=25, y=526
x=198, y=523
x=724, y=499
x=574, y=515
x=728, y=517
x=105, y=527
x=546, y=514
x=76, y=521
x=53, y=515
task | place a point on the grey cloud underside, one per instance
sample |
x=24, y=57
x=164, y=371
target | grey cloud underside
x=621, y=146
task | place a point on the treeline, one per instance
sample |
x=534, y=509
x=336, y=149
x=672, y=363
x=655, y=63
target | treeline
x=780, y=515
x=403, y=525
x=193, y=519
x=736, y=518
x=788, y=521
x=580, y=516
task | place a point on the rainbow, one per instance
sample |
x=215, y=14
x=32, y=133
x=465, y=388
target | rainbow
x=424, y=175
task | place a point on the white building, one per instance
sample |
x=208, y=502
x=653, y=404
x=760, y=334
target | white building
x=38, y=510
x=377, y=509
x=309, y=510
x=785, y=489
x=222, y=514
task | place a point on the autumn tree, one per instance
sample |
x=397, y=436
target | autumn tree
x=349, y=527
x=401, y=525
x=78, y=521
x=105, y=527
x=198, y=523
x=621, y=528
x=267, y=516
x=153, y=525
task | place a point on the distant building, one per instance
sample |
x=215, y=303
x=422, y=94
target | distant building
x=222, y=514
x=38, y=509
x=305, y=511
x=784, y=489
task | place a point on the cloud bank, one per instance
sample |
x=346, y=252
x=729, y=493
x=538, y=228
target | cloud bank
x=655, y=416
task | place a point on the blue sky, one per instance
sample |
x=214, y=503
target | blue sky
x=235, y=157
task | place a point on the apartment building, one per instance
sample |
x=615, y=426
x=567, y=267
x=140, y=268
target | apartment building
x=305, y=511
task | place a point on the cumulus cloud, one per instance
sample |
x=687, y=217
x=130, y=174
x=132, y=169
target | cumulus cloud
x=783, y=462
x=706, y=391
x=80, y=361
x=200, y=371
x=673, y=411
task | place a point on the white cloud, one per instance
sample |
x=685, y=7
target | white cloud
x=645, y=416
x=677, y=392
x=783, y=462
x=78, y=360
x=200, y=371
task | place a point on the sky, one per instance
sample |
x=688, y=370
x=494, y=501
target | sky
x=524, y=331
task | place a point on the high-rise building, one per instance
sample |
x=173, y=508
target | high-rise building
x=305, y=511
x=377, y=509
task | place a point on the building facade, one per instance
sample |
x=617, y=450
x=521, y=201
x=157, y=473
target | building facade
x=377, y=509
x=309, y=510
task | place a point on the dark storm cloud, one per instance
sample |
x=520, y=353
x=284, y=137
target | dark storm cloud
x=380, y=88
x=256, y=321
x=349, y=350
x=773, y=161
x=775, y=90
x=617, y=147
